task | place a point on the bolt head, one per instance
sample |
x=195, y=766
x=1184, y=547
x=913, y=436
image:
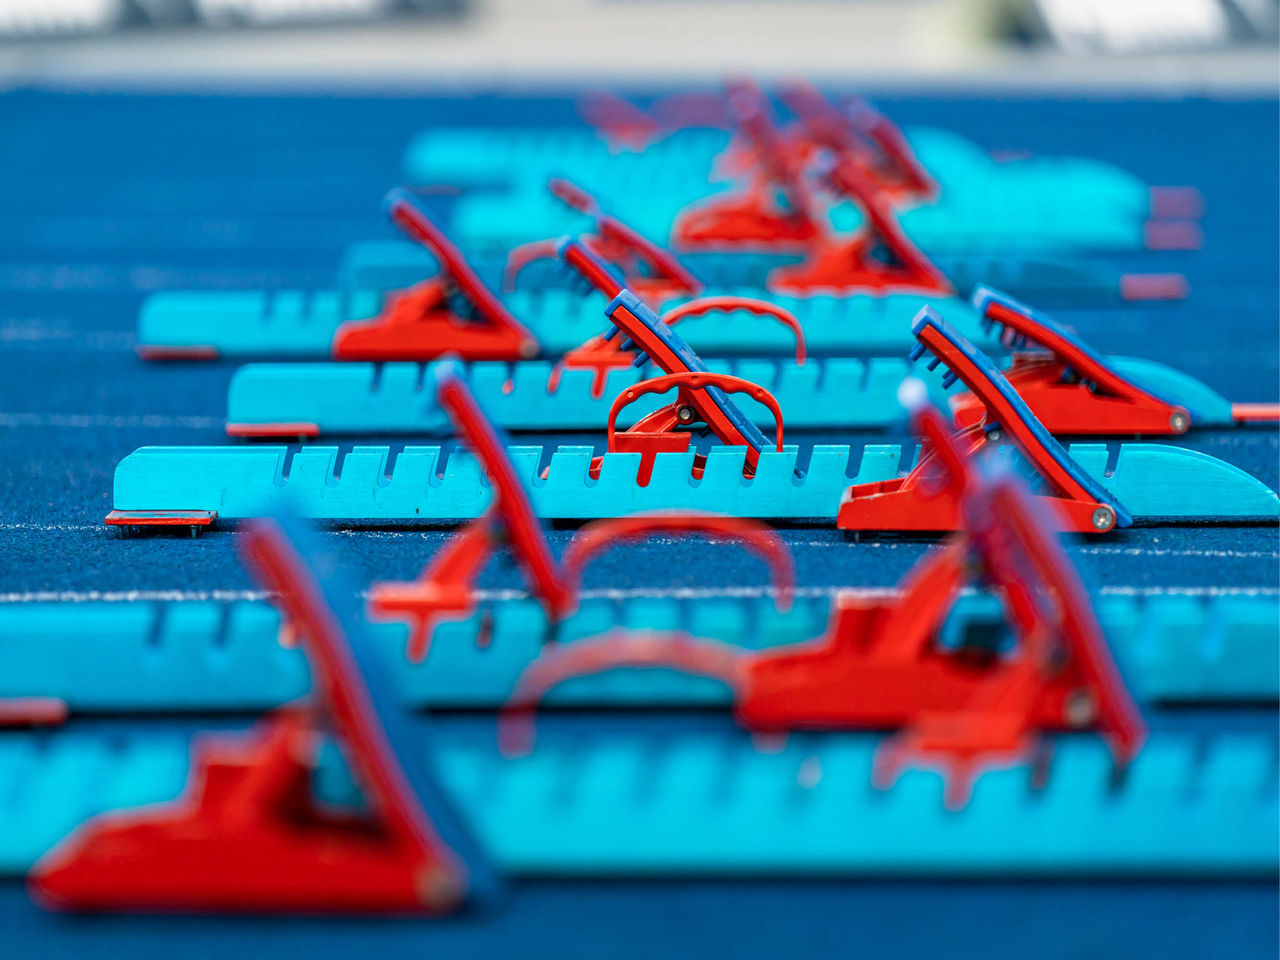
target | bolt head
x=1103, y=519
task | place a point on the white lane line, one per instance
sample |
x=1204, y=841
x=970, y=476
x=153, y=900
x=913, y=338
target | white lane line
x=632, y=593
x=100, y=421
x=23, y=332
x=51, y=527
x=1090, y=549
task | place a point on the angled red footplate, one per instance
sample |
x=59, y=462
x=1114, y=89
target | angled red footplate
x=881, y=663
x=248, y=834
x=1068, y=386
x=913, y=502
x=606, y=352
x=878, y=257
x=446, y=587
x=702, y=397
x=776, y=212
x=864, y=137
x=652, y=272
x=452, y=313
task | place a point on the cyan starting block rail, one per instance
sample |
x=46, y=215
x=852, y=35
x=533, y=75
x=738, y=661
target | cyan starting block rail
x=1154, y=481
x=187, y=656
x=709, y=803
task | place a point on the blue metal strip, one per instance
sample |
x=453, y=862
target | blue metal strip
x=210, y=656
x=1154, y=481
x=708, y=803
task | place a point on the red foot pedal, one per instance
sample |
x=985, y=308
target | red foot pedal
x=880, y=663
x=605, y=352
x=879, y=256
x=249, y=834
x=446, y=585
x=702, y=395
x=865, y=138
x=453, y=313
x=907, y=503
x=754, y=219
x=649, y=270
x=1067, y=385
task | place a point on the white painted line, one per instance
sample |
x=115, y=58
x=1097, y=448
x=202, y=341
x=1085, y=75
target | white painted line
x=100, y=421
x=631, y=593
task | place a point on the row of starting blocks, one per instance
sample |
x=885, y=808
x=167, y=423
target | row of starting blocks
x=1052, y=383
x=987, y=653
x=973, y=721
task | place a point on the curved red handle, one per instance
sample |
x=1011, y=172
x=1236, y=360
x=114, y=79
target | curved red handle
x=761, y=308
x=695, y=380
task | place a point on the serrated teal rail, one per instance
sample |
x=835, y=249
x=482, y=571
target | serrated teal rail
x=835, y=392
x=1154, y=481
x=706, y=803
x=106, y=657
x=298, y=324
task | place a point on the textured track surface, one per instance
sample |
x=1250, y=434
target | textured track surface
x=110, y=197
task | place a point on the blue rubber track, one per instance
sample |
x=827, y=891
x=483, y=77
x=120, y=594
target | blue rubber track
x=111, y=197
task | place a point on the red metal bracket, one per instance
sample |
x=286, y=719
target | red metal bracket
x=248, y=835
x=1073, y=390
x=604, y=353
x=452, y=313
x=879, y=256
x=1069, y=387
x=881, y=665
x=865, y=138
x=446, y=586
x=754, y=219
x=624, y=126
x=649, y=270
x=905, y=503
x=658, y=433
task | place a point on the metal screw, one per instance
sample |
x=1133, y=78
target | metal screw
x=684, y=414
x=1179, y=422
x=1078, y=709
x=1104, y=518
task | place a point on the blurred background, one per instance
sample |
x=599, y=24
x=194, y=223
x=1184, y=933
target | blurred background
x=1180, y=44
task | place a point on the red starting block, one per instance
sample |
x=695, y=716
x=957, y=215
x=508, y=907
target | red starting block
x=249, y=835
x=881, y=665
x=452, y=313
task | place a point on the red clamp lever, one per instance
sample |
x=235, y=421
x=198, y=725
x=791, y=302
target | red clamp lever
x=1068, y=386
x=879, y=256
x=882, y=664
x=452, y=313
x=446, y=585
x=1081, y=504
x=864, y=138
x=605, y=352
x=648, y=269
x=249, y=834
x=626, y=127
x=701, y=398
x=754, y=218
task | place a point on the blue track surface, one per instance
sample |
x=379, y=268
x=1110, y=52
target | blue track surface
x=109, y=197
